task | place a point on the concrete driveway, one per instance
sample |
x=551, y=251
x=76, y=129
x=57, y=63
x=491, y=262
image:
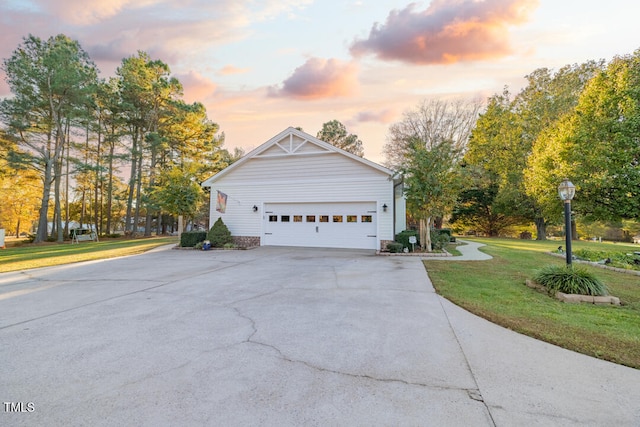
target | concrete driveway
x=279, y=337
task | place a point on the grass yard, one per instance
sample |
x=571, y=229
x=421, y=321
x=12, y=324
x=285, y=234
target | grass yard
x=48, y=254
x=495, y=290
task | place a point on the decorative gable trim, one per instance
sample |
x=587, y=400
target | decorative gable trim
x=292, y=145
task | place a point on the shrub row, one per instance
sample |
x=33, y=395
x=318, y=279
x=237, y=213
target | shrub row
x=439, y=239
x=395, y=247
x=614, y=259
x=402, y=238
x=219, y=236
x=189, y=239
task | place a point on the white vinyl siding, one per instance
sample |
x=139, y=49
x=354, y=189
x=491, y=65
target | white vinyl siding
x=302, y=168
x=312, y=173
x=243, y=221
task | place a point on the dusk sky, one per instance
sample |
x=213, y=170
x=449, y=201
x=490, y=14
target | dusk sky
x=261, y=66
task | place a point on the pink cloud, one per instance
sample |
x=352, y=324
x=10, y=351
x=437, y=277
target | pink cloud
x=196, y=87
x=448, y=31
x=228, y=70
x=320, y=78
x=83, y=12
x=383, y=116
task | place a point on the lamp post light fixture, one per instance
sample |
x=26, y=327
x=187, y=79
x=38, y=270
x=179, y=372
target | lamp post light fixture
x=567, y=190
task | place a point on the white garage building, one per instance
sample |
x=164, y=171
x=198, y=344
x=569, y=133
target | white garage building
x=296, y=190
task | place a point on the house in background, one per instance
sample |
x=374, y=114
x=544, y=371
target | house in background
x=296, y=190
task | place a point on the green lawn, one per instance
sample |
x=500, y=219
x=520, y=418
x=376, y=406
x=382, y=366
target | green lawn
x=47, y=254
x=495, y=290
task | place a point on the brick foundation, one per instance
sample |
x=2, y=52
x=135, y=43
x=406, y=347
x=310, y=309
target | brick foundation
x=246, y=241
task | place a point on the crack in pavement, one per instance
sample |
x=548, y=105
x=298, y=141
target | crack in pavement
x=477, y=396
x=473, y=394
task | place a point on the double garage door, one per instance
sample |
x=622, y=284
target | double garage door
x=329, y=225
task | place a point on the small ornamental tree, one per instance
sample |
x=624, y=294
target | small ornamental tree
x=219, y=235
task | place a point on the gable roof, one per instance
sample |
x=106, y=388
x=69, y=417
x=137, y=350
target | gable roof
x=284, y=144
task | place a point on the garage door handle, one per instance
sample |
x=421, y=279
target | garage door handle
x=316, y=228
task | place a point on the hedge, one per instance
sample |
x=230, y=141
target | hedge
x=190, y=239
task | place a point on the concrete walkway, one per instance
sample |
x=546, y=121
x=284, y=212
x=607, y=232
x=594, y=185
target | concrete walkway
x=470, y=252
x=279, y=337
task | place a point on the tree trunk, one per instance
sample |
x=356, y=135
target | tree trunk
x=437, y=222
x=136, y=216
x=148, y=222
x=541, y=229
x=43, y=223
x=148, y=225
x=425, y=233
x=132, y=182
x=56, y=160
x=97, y=208
x=58, y=207
x=57, y=192
x=110, y=188
x=66, y=186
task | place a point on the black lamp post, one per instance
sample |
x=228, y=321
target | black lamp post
x=567, y=190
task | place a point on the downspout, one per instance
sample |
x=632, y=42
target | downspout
x=395, y=213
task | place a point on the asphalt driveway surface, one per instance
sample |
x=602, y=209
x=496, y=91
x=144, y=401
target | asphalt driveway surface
x=282, y=337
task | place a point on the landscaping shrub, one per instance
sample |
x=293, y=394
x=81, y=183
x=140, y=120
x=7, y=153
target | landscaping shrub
x=446, y=231
x=395, y=247
x=189, y=239
x=449, y=233
x=219, y=235
x=403, y=238
x=440, y=238
x=612, y=258
x=570, y=280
